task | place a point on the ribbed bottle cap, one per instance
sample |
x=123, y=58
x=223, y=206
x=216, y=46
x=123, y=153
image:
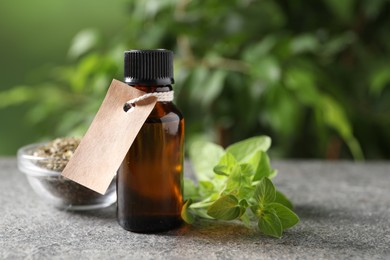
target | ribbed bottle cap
x=149, y=67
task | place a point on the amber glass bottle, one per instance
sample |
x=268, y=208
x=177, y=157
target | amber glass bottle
x=149, y=180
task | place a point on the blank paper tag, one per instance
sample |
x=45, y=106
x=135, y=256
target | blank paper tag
x=104, y=146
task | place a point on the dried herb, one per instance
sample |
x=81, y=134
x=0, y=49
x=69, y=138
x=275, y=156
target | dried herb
x=57, y=153
x=54, y=156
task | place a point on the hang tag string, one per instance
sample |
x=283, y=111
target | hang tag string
x=161, y=97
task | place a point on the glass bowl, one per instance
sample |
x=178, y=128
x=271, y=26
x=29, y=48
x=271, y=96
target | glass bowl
x=59, y=191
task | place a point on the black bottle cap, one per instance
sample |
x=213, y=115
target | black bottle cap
x=149, y=67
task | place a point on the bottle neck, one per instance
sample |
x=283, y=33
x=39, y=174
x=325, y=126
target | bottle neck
x=153, y=88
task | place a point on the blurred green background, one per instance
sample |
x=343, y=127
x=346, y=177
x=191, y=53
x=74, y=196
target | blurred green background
x=313, y=75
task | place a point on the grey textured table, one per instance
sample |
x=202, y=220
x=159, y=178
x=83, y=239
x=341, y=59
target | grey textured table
x=344, y=209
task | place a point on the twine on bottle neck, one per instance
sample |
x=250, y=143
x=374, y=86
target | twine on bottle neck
x=161, y=97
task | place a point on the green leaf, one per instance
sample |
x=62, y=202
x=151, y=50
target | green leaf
x=243, y=207
x=261, y=48
x=244, y=150
x=201, y=213
x=282, y=111
x=186, y=215
x=225, y=165
x=263, y=166
x=266, y=69
x=214, y=87
x=226, y=208
x=237, y=180
x=206, y=188
x=228, y=160
x=221, y=170
x=270, y=225
x=244, y=203
x=84, y=71
x=304, y=43
x=190, y=190
x=286, y=216
x=282, y=199
x=198, y=83
x=204, y=156
x=338, y=43
x=264, y=192
x=334, y=116
x=83, y=42
x=18, y=95
x=302, y=82
x=206, y=202
x=247, y=169
x=245, y=219
x=380, y=78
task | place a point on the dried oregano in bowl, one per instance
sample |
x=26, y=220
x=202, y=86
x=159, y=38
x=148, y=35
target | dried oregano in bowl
x=42, y=163
x=56, y=153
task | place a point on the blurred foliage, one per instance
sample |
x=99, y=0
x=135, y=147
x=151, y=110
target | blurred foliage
x=314, y=75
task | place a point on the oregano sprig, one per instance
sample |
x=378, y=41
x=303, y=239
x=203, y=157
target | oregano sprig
x=236, y=184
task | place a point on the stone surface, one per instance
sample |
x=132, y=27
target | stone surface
x=344, y=209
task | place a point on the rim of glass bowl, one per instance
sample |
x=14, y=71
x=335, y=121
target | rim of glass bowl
x=28, y=163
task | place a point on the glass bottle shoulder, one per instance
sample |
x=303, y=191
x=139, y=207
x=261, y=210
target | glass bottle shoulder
x=164, y=112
